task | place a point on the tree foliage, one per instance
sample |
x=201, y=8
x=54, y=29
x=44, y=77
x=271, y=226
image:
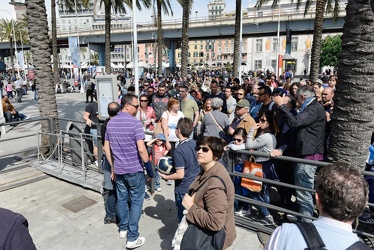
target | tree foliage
x=331, y=48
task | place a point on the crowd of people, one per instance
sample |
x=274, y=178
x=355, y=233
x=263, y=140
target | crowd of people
x=197, y=117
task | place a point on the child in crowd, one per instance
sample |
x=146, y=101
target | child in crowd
x=159, y=146
x=239, y=136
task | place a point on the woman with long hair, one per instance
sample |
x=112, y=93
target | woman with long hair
x=261, y=138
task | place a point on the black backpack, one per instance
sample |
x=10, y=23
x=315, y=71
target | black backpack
x=314, y=241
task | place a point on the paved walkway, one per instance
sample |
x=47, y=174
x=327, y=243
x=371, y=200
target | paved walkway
x=66, y=216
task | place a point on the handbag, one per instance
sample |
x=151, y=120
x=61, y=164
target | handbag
x=196, y=237
x=252, y=168
x=158, y=128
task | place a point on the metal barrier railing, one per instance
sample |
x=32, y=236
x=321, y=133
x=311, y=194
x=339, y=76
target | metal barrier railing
x=232, y=156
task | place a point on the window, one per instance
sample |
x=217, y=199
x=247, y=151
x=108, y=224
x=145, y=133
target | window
x=226, y=48
x=201, y=54
x=232, y=48
x=294, y=41
x=275, y=44
x=195, y=46
x=219, y=50
x=258, y=64
x=274, y=64
x=258, y=45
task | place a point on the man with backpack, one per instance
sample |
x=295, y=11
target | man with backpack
x=341, y=196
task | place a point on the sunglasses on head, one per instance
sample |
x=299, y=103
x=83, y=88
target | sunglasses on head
x=238, y=140
x=204, y=149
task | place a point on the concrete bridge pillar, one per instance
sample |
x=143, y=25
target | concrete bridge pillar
x=172, y=46
x=100, y=49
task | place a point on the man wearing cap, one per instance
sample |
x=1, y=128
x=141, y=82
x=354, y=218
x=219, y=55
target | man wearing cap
x=242, y=118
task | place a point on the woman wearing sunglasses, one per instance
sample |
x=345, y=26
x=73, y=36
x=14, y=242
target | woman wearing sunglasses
x=264, y=141
x=146, y=114
x=212, y=205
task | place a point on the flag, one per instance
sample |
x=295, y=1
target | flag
x=74, y=51
x=20, y=60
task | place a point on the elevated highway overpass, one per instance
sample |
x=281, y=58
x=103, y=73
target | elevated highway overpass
x=254, y=25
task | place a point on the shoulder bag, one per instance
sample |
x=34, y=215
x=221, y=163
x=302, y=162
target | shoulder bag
x=158, y=128
x=217, y=124
x=196, y=238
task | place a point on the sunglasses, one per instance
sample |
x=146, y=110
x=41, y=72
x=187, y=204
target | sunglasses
x=263, y=120
x=135, y=106
x=238, y=140
x=204, y=149
x=143, y=100
x=146, y=85
x=240, y=94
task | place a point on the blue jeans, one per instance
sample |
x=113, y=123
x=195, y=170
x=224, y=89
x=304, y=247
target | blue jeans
x=130, y=188
x=304, y=177
x=262, y=196
x=35, y=95
x=178, y=204
x=157, y=180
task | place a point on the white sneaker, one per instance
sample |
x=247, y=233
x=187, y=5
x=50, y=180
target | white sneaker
x=169, y=182
x=123, y=234
x=27, y=117
x=158, y=189
x=239, y=213
x=137, y=243
x=96, y=163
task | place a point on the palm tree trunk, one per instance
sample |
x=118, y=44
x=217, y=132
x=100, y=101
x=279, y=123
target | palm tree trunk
x=237, y=53
x=159, y=38
x=41, y=53
x=352, y=120
x=107, y=6
x=185, y=40
x=11, y=55
x=317, y=37
x=56, y=76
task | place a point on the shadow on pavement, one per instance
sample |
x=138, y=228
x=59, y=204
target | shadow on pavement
x=4, y=162
x=164, y=211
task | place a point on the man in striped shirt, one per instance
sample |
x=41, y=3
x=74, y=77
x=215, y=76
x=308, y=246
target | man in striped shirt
x=125, y=150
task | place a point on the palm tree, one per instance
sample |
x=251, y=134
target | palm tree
x=94, y=59
x=118, y=6
x=7, y=33
x=352, y=120
x=166, y=7
x=41, y=54
x=322, y=6
x=237, y=49
x=186, y=6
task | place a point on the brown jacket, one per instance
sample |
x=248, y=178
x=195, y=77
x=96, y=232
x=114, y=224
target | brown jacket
x=213, y=209
x=246, y=123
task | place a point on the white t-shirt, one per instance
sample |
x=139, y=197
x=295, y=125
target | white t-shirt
x=172, y=124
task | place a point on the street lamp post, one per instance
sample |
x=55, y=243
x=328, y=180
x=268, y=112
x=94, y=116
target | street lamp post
x=196, y=14
x=277, y=71
x=155, y=53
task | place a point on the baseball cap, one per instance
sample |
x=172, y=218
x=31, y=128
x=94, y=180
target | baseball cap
x=279, y=92
x=243, y=103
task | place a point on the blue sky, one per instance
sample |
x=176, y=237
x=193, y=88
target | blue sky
x=145, y=15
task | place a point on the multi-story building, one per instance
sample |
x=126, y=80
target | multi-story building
x=216, y=8
x=86, y=19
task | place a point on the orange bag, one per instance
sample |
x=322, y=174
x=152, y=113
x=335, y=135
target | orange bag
x=252, y=168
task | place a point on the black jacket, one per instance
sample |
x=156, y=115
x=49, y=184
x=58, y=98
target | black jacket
x=309, y=127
